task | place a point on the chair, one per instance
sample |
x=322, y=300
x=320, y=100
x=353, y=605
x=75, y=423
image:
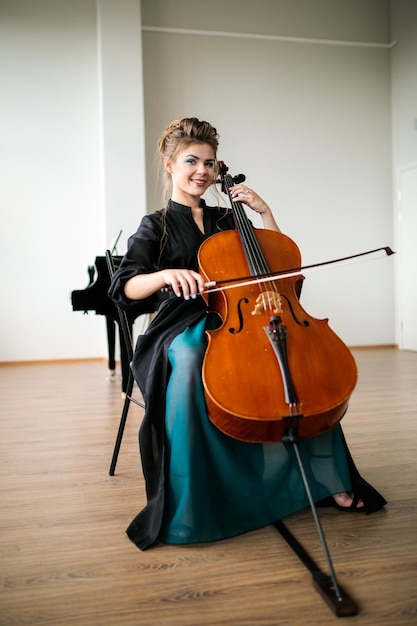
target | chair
x=125, y=325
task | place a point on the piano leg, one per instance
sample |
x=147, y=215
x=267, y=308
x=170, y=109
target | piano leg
x=111, y=342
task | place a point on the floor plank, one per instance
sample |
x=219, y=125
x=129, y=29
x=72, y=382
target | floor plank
x=65, y=558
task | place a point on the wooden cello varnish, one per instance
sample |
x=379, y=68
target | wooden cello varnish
x=250, y=395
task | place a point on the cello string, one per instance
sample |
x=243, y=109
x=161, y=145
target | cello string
x=254, y=254
x=257, y=262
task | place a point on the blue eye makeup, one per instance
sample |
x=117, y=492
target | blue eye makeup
x=193, y=160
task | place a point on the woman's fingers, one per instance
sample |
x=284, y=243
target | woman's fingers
x=185, y=283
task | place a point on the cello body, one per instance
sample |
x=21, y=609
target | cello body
x=246, y=384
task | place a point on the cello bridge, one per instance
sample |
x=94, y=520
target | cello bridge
x=268, y=301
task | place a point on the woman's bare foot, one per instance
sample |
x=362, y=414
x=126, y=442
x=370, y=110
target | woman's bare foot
x=345, y=501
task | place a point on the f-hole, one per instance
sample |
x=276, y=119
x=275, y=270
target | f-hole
x=235, y=331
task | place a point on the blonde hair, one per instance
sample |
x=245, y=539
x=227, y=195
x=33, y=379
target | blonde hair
x=180, y=134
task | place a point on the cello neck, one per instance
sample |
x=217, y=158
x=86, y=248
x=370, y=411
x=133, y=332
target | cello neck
x=254, y=255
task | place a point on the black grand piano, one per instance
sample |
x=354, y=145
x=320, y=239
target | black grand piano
x=94, y=298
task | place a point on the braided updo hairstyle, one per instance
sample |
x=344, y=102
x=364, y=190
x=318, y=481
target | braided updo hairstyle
x=180, y=134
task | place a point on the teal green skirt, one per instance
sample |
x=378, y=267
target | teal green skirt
x=218, y=487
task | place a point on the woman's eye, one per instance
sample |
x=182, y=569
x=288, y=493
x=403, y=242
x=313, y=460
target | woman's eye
x=190, y=160
x=210, y=164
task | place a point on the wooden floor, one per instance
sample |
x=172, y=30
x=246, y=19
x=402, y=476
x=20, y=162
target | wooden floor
x=65, y=558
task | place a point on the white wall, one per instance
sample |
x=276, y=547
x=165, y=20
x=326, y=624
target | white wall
x=120, y=100
x=404, y=158
x=52, y=218
x=404, y=82
x=72, y=169
x=308, y=123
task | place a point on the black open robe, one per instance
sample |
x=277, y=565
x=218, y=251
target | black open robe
x=150, y=366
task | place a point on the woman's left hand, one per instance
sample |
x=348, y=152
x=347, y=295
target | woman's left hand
x=250, y=198
x=242, y=193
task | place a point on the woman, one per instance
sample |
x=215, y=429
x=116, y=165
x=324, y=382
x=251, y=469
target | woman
x=202, y=485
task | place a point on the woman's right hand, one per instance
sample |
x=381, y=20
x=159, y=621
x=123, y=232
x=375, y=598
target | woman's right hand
x=184, y=283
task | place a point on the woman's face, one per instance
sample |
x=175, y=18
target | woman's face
x=192, y=172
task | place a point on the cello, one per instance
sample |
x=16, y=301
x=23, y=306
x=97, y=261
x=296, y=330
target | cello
x=270, y=366
x=272, y=372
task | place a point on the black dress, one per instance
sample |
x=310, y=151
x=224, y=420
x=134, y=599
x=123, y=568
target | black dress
x=171, y=239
